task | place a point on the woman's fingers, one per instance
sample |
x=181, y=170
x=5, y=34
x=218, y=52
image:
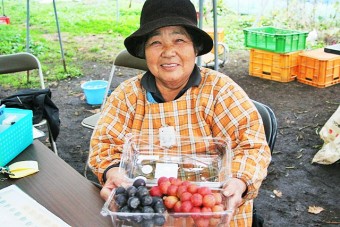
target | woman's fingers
x=114, y=179
x=233, y=190
x=105, y=192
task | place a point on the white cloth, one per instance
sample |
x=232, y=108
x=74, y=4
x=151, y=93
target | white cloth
x=330, y=133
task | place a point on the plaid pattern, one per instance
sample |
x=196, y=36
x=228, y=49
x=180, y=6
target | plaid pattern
x=217, y=107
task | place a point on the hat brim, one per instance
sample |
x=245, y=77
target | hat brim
x=135, y=40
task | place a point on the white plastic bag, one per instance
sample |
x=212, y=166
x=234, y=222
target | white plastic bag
x=330, y=133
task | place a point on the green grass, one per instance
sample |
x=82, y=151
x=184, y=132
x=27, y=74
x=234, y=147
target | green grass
x=88, y=28
x=90, y=31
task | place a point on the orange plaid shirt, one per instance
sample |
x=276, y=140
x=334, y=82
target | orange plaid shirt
x=218, y=107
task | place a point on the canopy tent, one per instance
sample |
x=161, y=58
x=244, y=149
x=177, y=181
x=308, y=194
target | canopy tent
x=58, y=29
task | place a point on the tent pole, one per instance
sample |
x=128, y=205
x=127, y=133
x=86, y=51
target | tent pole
x=117, y=10
x=28, y=26
x=215, y=35
x=60, y=42
x=3, y=8
x=200, y=25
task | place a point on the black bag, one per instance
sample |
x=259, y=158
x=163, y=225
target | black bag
x=39, y=101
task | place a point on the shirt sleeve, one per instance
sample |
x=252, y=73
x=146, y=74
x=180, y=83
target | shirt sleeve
x=107, y=140
x=237, y=116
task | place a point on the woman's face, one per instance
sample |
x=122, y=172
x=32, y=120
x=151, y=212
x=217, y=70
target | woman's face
x=170, y=56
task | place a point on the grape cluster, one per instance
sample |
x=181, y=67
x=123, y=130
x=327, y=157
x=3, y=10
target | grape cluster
x=146, y=210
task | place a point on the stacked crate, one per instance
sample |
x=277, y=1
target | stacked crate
x=220, y=37
x=319, y=68
x=274, y=52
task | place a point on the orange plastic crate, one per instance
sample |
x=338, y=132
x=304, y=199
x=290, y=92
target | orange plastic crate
x=318, y=68
x=220, y=37
x=273, y=66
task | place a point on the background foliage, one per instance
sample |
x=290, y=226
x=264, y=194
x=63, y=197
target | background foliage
x=93, y=31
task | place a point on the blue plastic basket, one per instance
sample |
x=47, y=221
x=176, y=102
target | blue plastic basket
x=15, y=138
x=94, y=91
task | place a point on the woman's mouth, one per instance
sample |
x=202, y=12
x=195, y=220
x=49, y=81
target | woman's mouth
x=169, y=65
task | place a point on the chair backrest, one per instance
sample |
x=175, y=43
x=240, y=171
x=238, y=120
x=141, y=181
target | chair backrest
x=20, y=62
x=269, y=121
x=125, y=59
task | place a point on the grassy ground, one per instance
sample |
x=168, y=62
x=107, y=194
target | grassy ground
x=90, y=30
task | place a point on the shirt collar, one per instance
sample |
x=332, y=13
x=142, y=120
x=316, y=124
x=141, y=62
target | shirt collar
x=149, y=84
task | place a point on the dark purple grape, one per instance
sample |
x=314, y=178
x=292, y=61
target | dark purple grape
x=120, y=190
x=137, y=218
x=131, y=191
x=139, y=182
x=133, y=202
x=142, y=191
x=159, y=207
x=121, y=199
x=124, y=209
x=146, y=200
x=149, y=211
x=156, y=199
x=159, y=220
x=147, y=223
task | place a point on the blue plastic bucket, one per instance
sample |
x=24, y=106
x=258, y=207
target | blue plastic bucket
x=94, y=91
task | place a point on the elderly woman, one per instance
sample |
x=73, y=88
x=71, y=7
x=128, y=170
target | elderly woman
x=207, y=103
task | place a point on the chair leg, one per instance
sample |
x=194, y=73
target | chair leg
x=85, y=168
x=85, y=175
x=28, y=76
x=52, y=142
x=54, y=145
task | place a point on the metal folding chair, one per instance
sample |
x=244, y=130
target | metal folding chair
x=270, y=128
x=269, y=121
x=20, y=62
x=123, y=59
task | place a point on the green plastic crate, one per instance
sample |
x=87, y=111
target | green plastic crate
x=275, y=39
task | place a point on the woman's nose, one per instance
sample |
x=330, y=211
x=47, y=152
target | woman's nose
x=168, y=51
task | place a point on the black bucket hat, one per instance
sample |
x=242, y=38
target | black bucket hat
x=161, y=13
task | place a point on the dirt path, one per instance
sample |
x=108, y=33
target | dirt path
x=301, y=111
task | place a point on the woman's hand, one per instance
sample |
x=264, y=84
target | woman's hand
x=234, y=189
x=114, y=179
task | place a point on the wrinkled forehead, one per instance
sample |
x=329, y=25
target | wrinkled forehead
x=173, y=30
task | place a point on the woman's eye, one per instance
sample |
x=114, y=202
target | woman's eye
x=154, y=43
x=179, y=40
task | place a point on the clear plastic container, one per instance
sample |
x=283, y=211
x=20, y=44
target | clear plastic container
x=188, y=219
x=202, y=161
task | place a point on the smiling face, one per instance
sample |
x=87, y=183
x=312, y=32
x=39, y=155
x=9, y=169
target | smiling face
x=170, y=56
